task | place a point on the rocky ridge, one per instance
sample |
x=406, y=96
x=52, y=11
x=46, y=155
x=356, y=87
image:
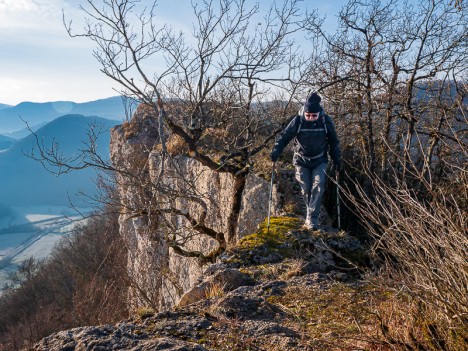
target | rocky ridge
x=243, y=301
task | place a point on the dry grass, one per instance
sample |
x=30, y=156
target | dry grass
x=411, y=323
x=145, y=312
x=215, y=291
x=335, y=316
x=283, y=270
x=294, y=268
x=421, y=243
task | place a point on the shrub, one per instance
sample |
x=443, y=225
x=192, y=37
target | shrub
x=83, y=282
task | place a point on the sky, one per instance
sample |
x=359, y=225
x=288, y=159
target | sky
x=39, y=62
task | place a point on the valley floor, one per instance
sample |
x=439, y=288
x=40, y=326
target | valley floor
x=32, y=232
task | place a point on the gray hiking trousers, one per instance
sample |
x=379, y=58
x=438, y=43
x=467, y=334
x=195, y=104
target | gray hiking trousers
x=312, y=182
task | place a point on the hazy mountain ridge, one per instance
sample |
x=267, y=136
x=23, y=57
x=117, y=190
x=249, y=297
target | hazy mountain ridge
x=22, y=133
x=6, y=142
x=26, y=182
x=14, y=118
x=3, y=106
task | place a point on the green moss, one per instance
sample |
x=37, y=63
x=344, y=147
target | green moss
x=274, y=243
x=274, y=236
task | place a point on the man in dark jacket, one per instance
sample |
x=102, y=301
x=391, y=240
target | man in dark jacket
x=314, y=136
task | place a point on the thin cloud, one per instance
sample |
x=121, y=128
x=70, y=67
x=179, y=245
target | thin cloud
x=42, y=15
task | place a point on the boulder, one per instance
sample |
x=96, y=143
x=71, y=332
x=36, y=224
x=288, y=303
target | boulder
x=221, y=281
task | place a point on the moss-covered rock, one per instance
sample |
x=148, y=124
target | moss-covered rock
x=286, y=238
x=269, y=244
x=274, y=235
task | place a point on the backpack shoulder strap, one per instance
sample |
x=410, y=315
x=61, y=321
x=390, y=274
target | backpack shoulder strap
x=300, y=126
x=324, y=124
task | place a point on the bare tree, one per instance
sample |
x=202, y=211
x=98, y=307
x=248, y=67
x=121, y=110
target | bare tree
x=216, y=78
x=402, y=63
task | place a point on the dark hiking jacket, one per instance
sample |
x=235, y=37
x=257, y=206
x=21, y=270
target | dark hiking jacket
x=313, y=141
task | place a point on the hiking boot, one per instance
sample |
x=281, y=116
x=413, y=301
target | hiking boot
x=310, y=226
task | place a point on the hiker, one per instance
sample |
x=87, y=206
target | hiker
x=314, y=135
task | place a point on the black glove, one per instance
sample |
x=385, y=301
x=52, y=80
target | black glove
x=275, y=155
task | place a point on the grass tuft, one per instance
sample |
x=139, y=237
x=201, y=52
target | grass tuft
x=145, y=312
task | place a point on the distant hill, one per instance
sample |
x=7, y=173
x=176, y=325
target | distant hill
x=20, y=134
x=36, y=113
x=24, y=181
x=6, y=142
x=2, y=106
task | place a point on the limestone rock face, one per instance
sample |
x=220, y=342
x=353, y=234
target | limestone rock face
x=160, y=276
x=131, y=144
x=255, y=205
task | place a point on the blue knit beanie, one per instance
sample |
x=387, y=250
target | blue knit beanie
x=312, y=103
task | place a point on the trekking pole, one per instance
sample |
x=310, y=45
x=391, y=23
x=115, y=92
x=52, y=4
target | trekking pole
x=271, y=195
x=338, y=198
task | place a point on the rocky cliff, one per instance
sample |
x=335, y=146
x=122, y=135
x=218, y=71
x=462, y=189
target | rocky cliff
x=155, y=207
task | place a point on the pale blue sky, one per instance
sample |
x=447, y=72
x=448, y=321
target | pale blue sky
x=39, y=62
